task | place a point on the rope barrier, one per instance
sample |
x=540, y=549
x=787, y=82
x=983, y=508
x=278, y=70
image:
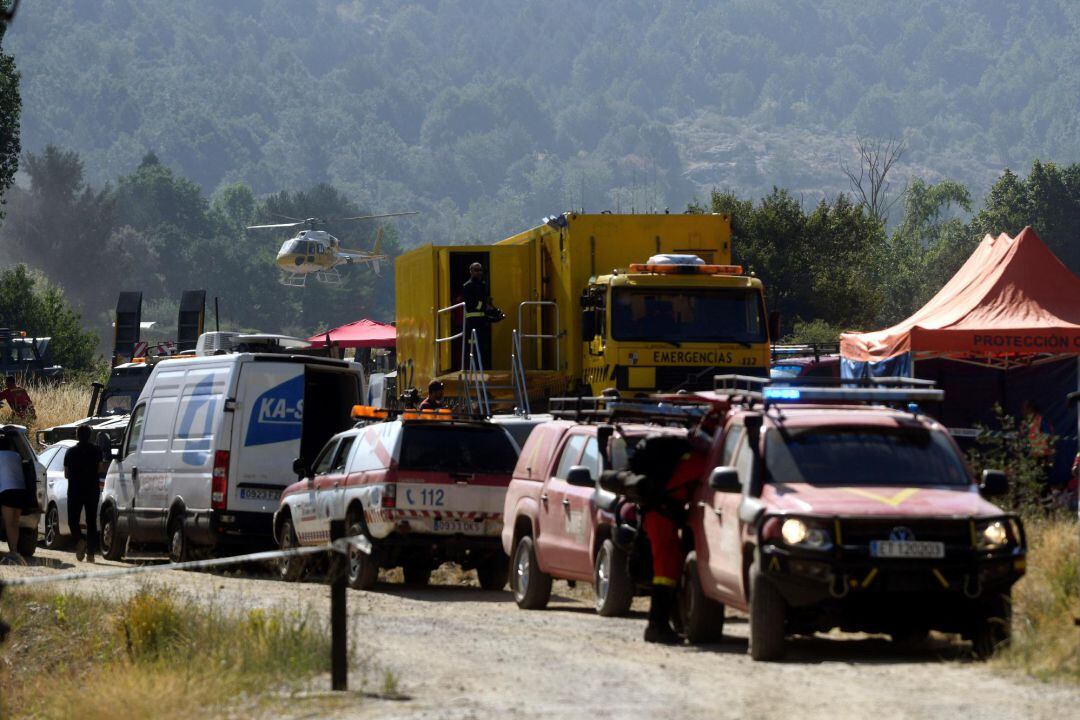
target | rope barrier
x=360, y=542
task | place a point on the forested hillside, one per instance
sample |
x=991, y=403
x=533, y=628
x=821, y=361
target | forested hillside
x=152, y=132
x=486, y=115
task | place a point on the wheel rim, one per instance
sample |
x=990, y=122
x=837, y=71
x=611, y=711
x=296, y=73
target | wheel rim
x=51, y=519
x=107, y=534
x=521, y=571
x=603, y=576
x=178, y=544
x=286, y=544
x=356, y=562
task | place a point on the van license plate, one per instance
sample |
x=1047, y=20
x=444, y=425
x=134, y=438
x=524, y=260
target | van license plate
x=459, y=526
x=259, y=494
x=907, y=549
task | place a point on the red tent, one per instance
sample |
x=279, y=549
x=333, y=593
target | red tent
x=1012, y=297
x=360, y=334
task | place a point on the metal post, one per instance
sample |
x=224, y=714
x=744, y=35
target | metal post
x=339, y=660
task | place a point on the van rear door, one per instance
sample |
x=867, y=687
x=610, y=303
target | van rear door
x=271, y=427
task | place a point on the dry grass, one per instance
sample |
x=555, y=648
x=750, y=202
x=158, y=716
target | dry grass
x=1046, y=640
x=53, y=405
x=151, y=656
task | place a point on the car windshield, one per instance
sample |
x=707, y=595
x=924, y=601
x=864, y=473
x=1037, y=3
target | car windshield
x=863, y=456
x=785, y=371
x=457, y=448
x=688, y=316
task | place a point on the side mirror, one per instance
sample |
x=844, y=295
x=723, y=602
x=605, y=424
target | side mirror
x=1073, y=397
x=300, y=468
x=579, y=476
x=994, y=484
x=725, y=479
x=774, y=326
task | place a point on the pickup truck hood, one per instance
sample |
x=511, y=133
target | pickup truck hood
x=877, y=500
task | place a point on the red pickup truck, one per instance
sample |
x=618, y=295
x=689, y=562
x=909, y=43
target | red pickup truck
x=824, y=514
x=552, y=524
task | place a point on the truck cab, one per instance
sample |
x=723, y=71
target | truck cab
x=672, y=323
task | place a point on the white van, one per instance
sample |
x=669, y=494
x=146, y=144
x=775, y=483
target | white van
x=210, y=446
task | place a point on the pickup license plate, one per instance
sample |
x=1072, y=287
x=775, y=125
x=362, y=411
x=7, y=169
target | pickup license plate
x=907, y=549
x=458, y=526
x=259, y=494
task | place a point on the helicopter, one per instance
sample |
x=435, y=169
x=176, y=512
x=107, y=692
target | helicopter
x=314, y=251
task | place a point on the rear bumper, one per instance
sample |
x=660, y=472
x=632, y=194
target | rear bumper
x=215, y=528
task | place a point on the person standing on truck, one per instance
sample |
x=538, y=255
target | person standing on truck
x=434, y=399
x=477, y=300
x=17, y=399
x=83, y=465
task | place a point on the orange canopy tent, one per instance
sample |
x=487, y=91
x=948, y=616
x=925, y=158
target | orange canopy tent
x=1012, y=298
x=359, y=334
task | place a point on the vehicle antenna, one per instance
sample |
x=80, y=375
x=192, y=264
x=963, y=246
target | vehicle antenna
x=217, y=315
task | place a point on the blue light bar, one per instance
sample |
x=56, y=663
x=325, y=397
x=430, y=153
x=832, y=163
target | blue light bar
x=782, y=393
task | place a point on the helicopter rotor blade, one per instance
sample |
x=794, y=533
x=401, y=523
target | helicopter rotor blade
x=372, y=217
x=278, y=225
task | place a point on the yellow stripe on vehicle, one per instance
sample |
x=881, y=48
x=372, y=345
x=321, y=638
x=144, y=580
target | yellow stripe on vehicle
x=869, y=578
x=940, y=577
x=892, y=501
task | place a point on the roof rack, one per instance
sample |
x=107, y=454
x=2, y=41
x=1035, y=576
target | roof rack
x=798, y=350
x=611, y=408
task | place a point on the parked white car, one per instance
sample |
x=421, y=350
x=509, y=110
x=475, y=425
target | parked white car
x=56, y=529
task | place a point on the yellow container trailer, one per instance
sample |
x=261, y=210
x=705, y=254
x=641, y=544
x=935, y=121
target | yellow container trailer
x=640, y=303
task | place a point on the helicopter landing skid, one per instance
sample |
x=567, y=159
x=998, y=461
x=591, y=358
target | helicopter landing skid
x=330, y=277
x=293, y=280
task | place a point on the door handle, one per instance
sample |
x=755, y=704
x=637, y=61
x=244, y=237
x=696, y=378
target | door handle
x=543, y=498
x=719, y=512
x=566, y=503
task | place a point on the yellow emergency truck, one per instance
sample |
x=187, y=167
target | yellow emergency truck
x=640, y=303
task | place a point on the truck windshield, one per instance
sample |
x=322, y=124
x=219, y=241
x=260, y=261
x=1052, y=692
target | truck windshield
x=436, y=447
x=863, y=456
x=688, y=315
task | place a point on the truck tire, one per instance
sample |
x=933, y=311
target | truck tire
x=112, y=543
x=27, y=543
x=531, y=586
x=767, y=616
x=179, y=548
x=53, y=539
x=494, y=572
x=612, y=586
x=362, y=568
x=417, y=570
x=290, y=569
x=702, y=618
x=993, y=627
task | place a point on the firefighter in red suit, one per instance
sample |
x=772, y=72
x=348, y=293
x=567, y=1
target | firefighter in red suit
x=662, y=525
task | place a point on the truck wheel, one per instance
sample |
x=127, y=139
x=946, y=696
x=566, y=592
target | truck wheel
x=993, y=627
x=702, y=617
x=612, y=586
x=417, y=570
x=27, y=543
x=179, y=550
x=493, y=573
x=363, y=570
x=767, y=614
x=53, y=539
x=112, y=543
x=290, y=569
x=532, y=588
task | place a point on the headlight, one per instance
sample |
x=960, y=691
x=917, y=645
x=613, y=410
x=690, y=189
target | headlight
x=994, y=536
x=793, y=531
x=797, y=532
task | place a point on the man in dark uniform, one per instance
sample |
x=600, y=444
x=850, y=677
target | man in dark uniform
x=83, y=464
x=477, y=301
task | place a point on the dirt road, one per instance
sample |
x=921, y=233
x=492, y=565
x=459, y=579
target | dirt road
x=460, y=652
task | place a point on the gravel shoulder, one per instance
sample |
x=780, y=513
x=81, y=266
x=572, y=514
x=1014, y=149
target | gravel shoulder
x=460, y=652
